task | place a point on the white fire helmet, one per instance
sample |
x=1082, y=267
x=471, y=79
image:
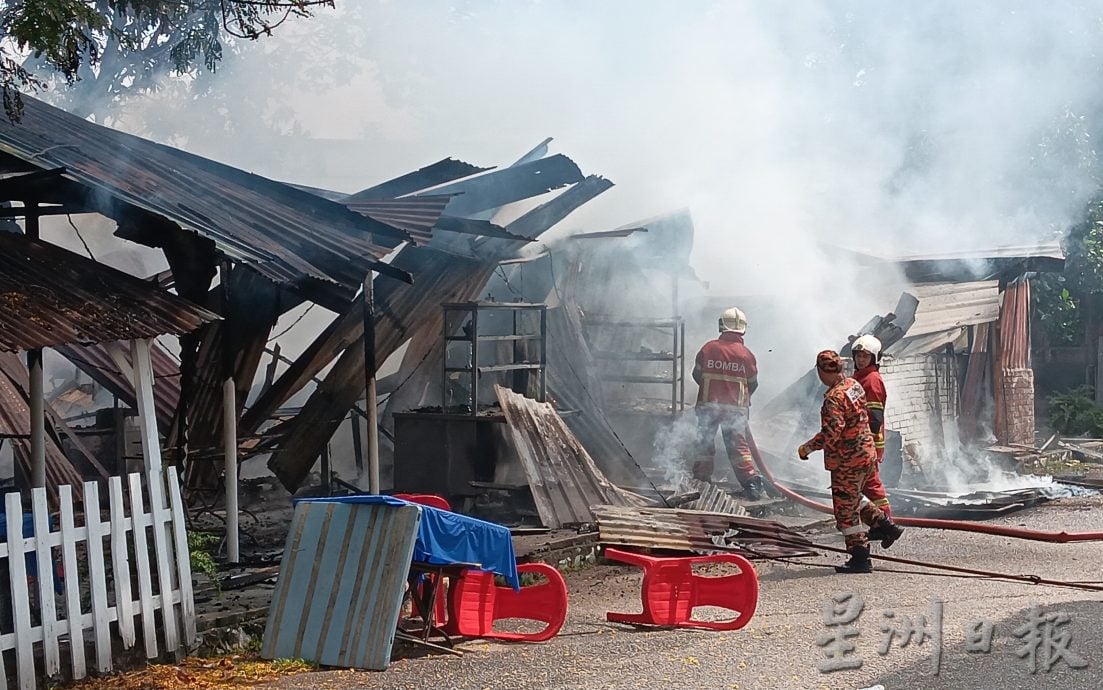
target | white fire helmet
x=733, y=321
x=867, y=343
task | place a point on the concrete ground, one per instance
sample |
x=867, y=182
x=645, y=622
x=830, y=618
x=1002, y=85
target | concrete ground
x=778, y=649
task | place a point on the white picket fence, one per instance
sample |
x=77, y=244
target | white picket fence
x=164, y=585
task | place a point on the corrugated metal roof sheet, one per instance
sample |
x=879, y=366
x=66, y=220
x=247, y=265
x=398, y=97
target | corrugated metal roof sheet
x=50, y=296
x=946, y=306
x=15, y=420
x=563, y=478
x=416, y=215
x=341, y=584
x=695, y=531
x=713, y=499
x=284, y=233
x=94, y=361
x=433, y=175
x=972, y=264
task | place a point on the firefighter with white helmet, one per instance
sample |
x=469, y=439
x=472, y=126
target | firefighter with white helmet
x=866, y=351
x=726, y=373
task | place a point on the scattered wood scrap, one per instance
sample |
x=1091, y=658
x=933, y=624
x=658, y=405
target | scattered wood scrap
x=695, y=531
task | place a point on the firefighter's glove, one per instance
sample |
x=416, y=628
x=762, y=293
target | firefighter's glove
x=802, y=452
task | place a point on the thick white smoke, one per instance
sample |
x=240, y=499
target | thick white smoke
x=896, y=128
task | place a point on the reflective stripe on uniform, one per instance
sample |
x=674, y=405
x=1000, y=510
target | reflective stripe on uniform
x=708, y=378
x=875, y=406
x=881, y=502
x=850, y=531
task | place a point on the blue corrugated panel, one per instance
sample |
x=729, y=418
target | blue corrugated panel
x=341, y=584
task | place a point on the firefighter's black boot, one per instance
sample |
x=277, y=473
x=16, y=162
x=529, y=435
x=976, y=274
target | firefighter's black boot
x=886, y=531
x=859, y=561
x=754, y=488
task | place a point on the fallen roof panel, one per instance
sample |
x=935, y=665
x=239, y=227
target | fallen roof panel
x=562, y=476
x=50, y=296
x=501, y=187
x=441, y=172
x=416, y=215
x=284, y=233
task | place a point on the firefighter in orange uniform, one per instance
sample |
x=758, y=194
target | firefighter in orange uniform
x=849, y=455
x=866, y=351
x=726, y=374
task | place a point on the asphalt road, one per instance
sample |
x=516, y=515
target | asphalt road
x=778, y=649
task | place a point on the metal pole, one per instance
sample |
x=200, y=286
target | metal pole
x=369, y=384
x=229, y=420
x=544, y=353
x=474, y=360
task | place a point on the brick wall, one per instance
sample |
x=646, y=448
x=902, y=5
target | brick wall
x=1018, y=391
x=922, y=396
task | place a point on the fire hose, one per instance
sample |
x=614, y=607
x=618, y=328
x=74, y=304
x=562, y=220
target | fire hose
x=928, y=523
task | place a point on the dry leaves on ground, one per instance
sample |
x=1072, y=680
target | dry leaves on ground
x=200, y=674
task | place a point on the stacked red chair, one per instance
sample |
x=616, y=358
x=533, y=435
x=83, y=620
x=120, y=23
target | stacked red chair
x=671, y=591
x=475, y=603
x=433, y=501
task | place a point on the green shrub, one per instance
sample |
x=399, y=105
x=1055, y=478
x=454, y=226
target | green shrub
x=1075, y=413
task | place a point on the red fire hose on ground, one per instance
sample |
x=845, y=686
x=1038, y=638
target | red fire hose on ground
x=929, y=523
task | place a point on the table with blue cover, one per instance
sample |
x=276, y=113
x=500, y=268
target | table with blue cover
x=446, y=538
x=446, y=544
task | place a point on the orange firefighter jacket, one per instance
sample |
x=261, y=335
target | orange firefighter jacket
x=726, y=372
x=845, y=437
x=876, y=396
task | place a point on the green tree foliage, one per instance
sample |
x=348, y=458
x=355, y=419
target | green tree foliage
x=130, y=42
x=1060, y=298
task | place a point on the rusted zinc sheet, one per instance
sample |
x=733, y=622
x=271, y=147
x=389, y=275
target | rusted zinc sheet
x=94, y=361
x=712, y=499
x=286, y=234
x=50, y=296
x=417, y=215
x=696, y=531
x=341, y=584
x=562, y=476
x=15, y=421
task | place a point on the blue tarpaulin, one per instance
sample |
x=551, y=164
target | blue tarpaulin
x=445, y=538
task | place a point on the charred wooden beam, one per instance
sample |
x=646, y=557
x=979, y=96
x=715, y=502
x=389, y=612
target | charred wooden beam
x=404, y=313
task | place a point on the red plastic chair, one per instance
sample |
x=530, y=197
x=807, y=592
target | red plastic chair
x=475, y=603
x=671, y=591
x=431, y=500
